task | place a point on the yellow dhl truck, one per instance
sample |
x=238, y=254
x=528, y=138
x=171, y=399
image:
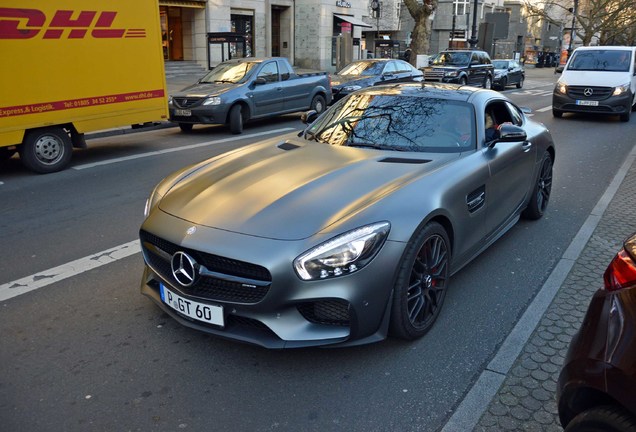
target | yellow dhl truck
x=74, y=66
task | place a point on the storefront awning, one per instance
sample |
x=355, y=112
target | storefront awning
x=352, y=20
x=186, y=4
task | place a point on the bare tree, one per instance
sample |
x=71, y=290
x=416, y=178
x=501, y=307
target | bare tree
x=610, y=21
x=420, y=37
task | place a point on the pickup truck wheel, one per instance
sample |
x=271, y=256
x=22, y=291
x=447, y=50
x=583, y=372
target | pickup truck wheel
x=462, y=81
x=185, y=127
x=318, y=104
x=46, y=150
x=236, y=119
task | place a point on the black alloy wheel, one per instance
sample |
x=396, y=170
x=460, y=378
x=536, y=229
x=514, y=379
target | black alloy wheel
x=541, y=192
x=422, y=283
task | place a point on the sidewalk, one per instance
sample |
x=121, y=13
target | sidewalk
x=524, y=386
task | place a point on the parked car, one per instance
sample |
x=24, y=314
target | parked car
x=472, y=67
x=508, y=72
x=597, y=385
x=350, y=229
x=365, y=73
x=243, y=89
x=597, y=79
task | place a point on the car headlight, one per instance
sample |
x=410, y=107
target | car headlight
x=498, y=74
x=152, y=201
x=344, y=254
x=451, y=74
x=561, y=87
x=352, y=88
x=169, y=100
x=214, y=100
x=619, y=90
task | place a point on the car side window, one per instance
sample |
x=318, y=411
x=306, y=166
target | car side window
x=269, y=72
x=515, y=114
x=285, y=71
x=474, y=59
x=402, y=66
x=390, y=68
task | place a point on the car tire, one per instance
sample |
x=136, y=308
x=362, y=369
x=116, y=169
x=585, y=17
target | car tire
x=185, y=127
x=557, y=113
x=421, y=283
x=520, y=83
x=462, y=81
x=318, y=104
x=504, y=83
x=236, y=119
x=603, y=418
x=46, y=150
x=541, y=190
x=488, y=83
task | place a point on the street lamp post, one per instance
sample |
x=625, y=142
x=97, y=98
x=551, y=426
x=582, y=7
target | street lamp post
x=576, y=4
x=473, y=37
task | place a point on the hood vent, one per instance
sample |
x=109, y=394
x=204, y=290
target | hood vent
x=288, y=146
x=405, y=160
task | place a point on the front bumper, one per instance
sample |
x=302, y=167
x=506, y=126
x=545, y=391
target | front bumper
x=289, y=312
x=212, y=114
x=606, y=104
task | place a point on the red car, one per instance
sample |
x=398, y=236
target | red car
x=597, y=385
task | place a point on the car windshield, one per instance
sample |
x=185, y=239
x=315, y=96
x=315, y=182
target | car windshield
x=364, y=68
x=398, y=123
x=228, y=72
x=601, y=60
x=500, y=64
x=451, y=59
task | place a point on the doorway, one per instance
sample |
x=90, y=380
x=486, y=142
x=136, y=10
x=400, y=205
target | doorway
x=171, y=32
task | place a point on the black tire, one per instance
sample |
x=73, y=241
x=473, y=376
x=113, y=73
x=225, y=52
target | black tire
x=462, y=81
x=318, y=104
x=421, y=284
x=520, y=83
x=541, y=190
x=46, y=150
x=602, y=419
x=236, y=119
x=5, y=153
x=625, y=116
x=186, y=127
x=488, y=82
x=557, y=113
x=504, y=83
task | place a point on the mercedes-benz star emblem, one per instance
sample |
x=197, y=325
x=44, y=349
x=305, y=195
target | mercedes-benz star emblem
x=184, y=268
x=588, y=92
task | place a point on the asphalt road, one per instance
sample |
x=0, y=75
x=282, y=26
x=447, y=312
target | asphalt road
x=87, y=352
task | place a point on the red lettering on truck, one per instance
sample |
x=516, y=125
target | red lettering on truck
x=16, y=23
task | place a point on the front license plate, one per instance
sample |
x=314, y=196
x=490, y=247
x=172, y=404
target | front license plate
x=182, y=113
x=587, y=102
x=206, y=313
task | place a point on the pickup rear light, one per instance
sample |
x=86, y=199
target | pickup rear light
x=621, y=273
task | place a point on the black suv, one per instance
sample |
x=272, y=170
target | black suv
x=472, y=67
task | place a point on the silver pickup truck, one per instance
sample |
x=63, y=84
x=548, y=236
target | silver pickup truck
x=243, y=89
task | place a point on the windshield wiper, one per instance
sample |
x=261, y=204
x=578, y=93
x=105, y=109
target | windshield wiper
x=378, y=146
x=224, y=81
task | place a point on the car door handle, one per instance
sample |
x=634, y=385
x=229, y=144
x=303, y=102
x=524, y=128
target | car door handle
x=526, y=146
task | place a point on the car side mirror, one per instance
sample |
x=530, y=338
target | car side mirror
x=260, y=80
x=309, y=117
x=509, y=133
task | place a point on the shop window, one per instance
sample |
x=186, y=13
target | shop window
x=243, y=24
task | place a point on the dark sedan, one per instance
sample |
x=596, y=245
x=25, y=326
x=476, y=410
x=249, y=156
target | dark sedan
x=597, y=386
x=365, y=73
x=508, y=72
x=351, y=229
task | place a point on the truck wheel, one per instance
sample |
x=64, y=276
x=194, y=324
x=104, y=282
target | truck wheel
x=46, y=150
x=236, y=119
x=462, y=81
x=185, y=127
x=318, y=104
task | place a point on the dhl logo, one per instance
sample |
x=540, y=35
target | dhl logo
x=28, y=23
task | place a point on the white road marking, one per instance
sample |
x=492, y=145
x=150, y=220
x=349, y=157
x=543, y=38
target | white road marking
x=73, y=268
x=176, y=149
x=548, y=108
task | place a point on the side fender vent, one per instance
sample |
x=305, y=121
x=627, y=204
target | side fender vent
x=287, y=146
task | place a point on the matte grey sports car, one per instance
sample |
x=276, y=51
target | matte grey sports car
x=350, y=230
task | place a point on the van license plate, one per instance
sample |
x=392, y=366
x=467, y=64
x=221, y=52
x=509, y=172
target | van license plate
x=587, y=102
x=183, y=113
x=207, y=313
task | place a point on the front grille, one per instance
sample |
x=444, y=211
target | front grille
x=433, y=74
x=186, y=102
x=598, y=93
x=330, y=312
x=206, y=286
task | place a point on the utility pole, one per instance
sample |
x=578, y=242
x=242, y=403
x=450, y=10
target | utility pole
x=576, y=5
x=473, y=37
x=452, y=35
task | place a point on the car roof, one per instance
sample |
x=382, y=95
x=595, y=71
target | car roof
x=453, y=92
x=606, y=47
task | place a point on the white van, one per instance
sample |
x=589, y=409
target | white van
x=598, y=79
